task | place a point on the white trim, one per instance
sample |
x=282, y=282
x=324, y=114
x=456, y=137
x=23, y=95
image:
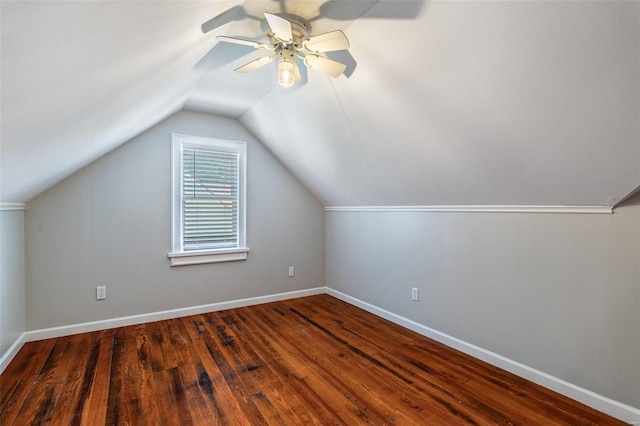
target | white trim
x=208, y=256
x=477, y=209
x=601, y=403
x=67, y=330
x=207, y=252
x=178, y=143
x=11, y=206
x=13, y=350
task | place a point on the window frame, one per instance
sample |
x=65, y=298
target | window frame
x=178, y=255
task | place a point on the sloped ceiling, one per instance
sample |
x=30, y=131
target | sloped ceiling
x=445, y=103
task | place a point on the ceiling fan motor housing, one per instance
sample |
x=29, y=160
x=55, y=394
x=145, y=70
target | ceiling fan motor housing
x=300, y=30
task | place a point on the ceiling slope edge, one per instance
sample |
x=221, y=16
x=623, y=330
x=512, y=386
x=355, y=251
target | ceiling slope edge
x=277, y=158
x=629, y=196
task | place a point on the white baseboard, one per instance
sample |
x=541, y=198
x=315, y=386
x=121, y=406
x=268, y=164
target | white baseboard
x=601, y=403
x=67, y=330
x=11, y=352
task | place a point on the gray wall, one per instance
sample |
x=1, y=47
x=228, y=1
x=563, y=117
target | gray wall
x=12, y=307
x=557, y=292
x=109, y=224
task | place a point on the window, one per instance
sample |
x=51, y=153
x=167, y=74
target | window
x=208, y=200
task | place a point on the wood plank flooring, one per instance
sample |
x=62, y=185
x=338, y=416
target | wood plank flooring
x=314, y=360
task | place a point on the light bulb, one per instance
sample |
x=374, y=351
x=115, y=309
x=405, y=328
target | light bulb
x=286, y=69
x=285, y=74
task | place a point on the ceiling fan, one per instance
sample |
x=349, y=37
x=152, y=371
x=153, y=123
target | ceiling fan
x=289, y=39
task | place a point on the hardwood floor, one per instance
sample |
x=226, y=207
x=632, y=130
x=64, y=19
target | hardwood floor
x=314, y=360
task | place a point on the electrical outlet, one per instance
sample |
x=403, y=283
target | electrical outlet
x=414, y=294
x=101, y=292
x=291, y=271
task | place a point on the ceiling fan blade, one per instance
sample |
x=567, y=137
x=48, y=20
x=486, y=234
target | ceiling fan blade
x=346, y=10
x=255, y=64
x=327, y=42
x=280, y=27
x=223, y=19
x=243, y=41
x=325, y=65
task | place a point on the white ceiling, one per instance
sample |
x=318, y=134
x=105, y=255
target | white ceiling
x=450, y=103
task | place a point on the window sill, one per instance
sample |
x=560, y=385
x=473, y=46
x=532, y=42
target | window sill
x=208, y=256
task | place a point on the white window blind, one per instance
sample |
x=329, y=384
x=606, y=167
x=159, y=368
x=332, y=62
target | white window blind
x=208, y=202
x=210, y=199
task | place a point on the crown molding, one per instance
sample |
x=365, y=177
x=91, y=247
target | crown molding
x=477, y=209
x=11, y=206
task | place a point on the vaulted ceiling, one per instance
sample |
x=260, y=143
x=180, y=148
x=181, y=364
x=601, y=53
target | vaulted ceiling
x=444, y=102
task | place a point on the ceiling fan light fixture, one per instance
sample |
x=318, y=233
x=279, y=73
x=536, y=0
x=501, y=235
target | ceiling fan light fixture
x=287, y=69
x=289, y=38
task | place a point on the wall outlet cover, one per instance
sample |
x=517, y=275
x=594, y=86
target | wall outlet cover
x=101, y=292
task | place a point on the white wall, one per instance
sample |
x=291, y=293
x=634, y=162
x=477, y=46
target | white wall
x=557, y=292
x=109, y=224
x=12, y=307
